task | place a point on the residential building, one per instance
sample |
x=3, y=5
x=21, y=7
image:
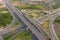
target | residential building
x=35, y=1
x=25, y=1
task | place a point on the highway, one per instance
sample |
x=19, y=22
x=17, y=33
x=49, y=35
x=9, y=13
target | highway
x=53, y=15
x=13, y=37
x=37, y=24
x=13, y=21
x=51, y=26
x=33, y=25
x=19, y=15
x=56, y=10
x=1, y=38
x=47, y=17
x=11, y=30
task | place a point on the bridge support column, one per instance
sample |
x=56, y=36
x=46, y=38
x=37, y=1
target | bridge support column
x=1, y=38
x=33, y=37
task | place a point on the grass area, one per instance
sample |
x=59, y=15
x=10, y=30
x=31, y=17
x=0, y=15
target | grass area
x=13, y=0
x=5, y=19
x=34, y=14
x=27, y=6
x=57, y=20
x=46, y=25
x=3, y=9
x=8, y=37
x=23, y=36
x=37, y=15
x=18, y=23
x=59, y=37
x=0, y=4
x=57, y=4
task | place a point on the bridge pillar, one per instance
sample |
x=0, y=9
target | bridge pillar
x=1, y=38
x=33, y=37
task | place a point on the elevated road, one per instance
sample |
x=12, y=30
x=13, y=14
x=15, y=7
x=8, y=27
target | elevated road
x=37, y=24
x=47, y=17
x=19, y=15
x=11, y=30
x=39, y=32
x=51, y=17
x=51, y=26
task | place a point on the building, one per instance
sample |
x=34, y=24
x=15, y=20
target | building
x=25, y=1
x=50, y=1
x=35, y=1
x=30, y=1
